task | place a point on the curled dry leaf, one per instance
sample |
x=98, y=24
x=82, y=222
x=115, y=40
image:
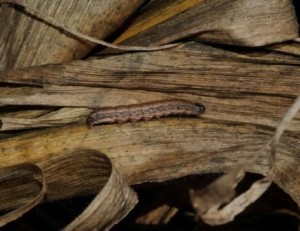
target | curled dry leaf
x=142, y=159
x=13, y=177
x=216, y=194
x=112, y=203
x=215, y=216
x=207, y=201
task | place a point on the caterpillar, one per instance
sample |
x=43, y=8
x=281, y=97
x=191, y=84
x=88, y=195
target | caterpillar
x=144, y=111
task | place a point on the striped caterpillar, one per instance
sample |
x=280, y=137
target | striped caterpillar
x=145, y=111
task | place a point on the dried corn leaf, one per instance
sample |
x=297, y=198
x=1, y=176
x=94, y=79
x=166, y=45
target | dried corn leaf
x=188, y=69
x=25, y=113
x=26, y=40
x=237, y=89
x=152, y=151
x=291, y=48
x=75, y=96
x=63, y=116
x=160, y=215
x=239, y=204
x=239, y=22
x=15, y=177
x=112, y=203
x=254, y=87
x=207, y=202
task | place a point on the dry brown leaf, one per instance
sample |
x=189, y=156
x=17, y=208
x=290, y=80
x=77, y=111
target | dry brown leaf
x=207, y=201
x=236, y=140
x=154, y=13
x=216, y=216
x=25, y=114
x=291, y=48
x=42, y=16
x=112, y=203
x=76, y=96
x=193, y=68
x=221, y=191
x=160, y=215
x=238, y=22
x=153, y=149
x=60, y=117
x=27, y=38
x=16, y=173
x=236, y=87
